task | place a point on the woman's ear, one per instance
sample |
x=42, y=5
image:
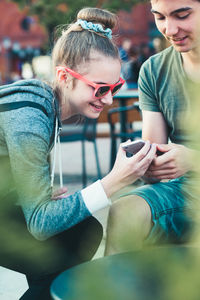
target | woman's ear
x=61, y=74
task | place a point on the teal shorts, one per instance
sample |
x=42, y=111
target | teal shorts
x=171, y=206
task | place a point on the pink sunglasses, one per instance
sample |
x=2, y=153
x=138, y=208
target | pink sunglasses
x=100, y=90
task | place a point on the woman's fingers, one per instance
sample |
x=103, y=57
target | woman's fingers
x=60, y=193
x=147, y=150
x=147, y=159
x=140, y=162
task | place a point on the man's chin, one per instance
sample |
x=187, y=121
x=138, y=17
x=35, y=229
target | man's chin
x=181, y=49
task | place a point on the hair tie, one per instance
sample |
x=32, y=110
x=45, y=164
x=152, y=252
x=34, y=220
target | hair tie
x=95, y=27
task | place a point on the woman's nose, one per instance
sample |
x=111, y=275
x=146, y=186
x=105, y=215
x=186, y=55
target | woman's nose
x=107, y=99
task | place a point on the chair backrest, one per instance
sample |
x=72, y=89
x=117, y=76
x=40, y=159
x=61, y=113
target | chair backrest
x=79, y=131
x=132, y=113
x=89, y=129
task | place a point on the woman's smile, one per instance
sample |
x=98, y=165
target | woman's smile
x=97, y=107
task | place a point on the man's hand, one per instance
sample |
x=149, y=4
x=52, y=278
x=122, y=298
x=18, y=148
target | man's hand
x=175, y=161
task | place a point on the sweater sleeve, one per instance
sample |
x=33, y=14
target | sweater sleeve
x=100, y=200
x=27, y=134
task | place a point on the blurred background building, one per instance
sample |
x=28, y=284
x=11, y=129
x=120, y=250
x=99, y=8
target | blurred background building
x=26, y=34
x=21, y=39
x=137, y=25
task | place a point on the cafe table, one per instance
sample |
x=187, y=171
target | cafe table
x=138, y=275
x=125, y=94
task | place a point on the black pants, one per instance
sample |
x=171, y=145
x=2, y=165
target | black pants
x=42, y=261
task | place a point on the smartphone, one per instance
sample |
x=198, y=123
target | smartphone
x=135, y=146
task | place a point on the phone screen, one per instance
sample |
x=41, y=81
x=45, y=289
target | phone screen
x=134, y=147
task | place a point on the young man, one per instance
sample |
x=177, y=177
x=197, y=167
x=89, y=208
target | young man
x=158, y=212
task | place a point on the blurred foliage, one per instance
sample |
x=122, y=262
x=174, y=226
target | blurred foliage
x=160, y=273
x=53, y=13
x=194, y=130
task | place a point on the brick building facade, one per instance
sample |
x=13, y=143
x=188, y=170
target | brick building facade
x=21, y=38
x=137, y=25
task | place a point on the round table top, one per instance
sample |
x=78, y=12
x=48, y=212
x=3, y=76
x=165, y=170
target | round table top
x=127, y=276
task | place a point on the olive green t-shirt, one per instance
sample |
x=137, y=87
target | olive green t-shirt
x=163, y=88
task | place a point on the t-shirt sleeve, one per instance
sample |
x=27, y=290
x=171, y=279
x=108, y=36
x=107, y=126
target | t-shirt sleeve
x=147, y=88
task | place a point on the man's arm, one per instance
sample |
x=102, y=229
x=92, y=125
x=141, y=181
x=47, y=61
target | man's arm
x=176, y=159
x=154, y=127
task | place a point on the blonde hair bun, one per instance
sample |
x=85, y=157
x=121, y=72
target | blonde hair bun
x=75, y=44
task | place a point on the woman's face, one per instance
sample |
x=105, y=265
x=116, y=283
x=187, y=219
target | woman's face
x=179, y=22
x=80, y=96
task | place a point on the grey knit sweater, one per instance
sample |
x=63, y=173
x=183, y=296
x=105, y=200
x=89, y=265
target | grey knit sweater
x=25, y=143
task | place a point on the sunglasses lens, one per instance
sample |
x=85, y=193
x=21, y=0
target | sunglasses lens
x=102, y=91
x=117, y=88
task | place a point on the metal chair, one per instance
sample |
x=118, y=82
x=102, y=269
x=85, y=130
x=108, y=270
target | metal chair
x=132, y=113
x=84, y=131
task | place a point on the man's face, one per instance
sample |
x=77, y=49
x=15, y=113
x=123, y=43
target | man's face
x=179, y=22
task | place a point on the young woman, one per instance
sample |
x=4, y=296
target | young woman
x=61, y=232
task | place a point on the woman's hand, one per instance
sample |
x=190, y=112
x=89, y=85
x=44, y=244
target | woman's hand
x=127, y=170
x=175, y=161
x=59, y=194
